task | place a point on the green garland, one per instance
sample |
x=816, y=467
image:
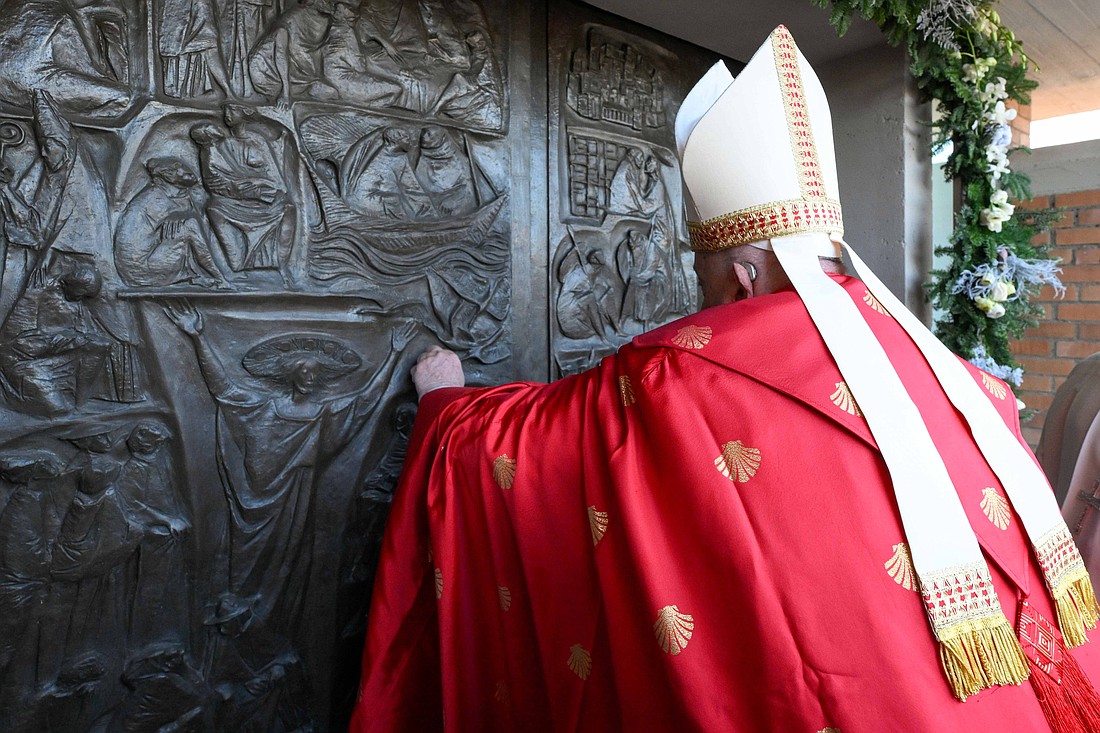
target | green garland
x=967, y=61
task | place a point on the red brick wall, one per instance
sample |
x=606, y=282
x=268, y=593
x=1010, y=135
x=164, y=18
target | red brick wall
x=1071, y=329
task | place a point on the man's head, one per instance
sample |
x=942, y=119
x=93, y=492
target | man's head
x=343, y=12
x=172, y=171
x=80, y=282
x=305, y=375
x=736, y=273
x=147, y=437
x=396, y=138
x=237, y=114
x=207, y=133
x=476, y=41
x=232, y=615
x=433, y=136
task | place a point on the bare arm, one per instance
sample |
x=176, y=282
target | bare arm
x=189, y=320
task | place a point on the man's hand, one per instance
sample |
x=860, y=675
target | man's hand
x=437, y=367
x=184, y=315
x=402, y=335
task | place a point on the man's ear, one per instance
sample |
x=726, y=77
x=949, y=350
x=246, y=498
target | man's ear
x=741, y=281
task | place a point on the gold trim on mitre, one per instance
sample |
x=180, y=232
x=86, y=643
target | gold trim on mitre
x=776, y=219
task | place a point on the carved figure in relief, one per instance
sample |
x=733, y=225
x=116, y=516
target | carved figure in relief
x=393, y=27
x=383, y=476
x=67, y=702
x=444, y=41
x=377, y=177
x=74, y=52
x=190, y=52
x=588, y=302
x=355, y=75
x=28, y=526
x=445, y=172
x=250, y=206
x=158, y=601
x=273, y=443
x=626, y=194
x=41, y=190
x=20, y=231
x=638, y=189
x=475, y=95
x=54, y=355
x=644, y=269
x=91, y=557
x=286, y=61
x=163, y=237
x=250, y=18
x=165, y=693
x=257, y=690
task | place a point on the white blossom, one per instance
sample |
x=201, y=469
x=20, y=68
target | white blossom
x=1000, y=115
x=1001, y=291
x=998, y=163
x=999, y=211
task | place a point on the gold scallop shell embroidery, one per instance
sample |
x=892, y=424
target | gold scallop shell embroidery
x=504, y=595
x=580, y=661
x=693, y=337
x=438, y=583
x=996, y=508
x=673, y=629
x=738, y=462
x=597, y=522
x=900, y=567
x=873, y=303
x=626, y=391
x=843, y=399
x=829, y=730
x=995, y=386
x=504, y=471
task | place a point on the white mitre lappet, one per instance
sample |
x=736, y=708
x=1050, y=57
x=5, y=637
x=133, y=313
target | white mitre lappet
x=759, y=169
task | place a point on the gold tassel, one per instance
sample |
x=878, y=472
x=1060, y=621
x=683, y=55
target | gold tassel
x=1077, y=608
x=981, y=654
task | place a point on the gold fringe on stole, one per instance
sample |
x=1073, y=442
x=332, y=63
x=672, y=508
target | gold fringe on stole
x=981, y=654
x=1077, y=608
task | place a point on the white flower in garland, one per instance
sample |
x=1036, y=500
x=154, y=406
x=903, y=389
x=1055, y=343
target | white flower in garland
x=1000, y=115
x=991, y=308
x=997, y=158
x=1002, y=290
x=994, y=283
x=998, y=213
x=975, y=72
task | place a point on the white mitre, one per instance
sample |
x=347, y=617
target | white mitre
x=759, y=169
x=757, y=154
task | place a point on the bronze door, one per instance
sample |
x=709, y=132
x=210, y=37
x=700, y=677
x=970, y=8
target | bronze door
x=227, y=228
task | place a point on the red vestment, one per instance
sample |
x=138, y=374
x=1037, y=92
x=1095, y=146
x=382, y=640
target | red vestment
x=699, y=534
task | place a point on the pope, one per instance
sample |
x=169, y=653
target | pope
x=792, y=511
